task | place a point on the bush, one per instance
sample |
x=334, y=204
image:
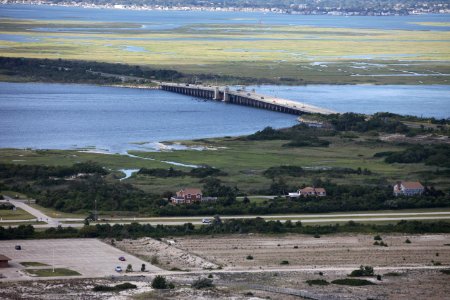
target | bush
x=317, y=282
x=352, y=282
x=408, y=241
x=362, y=271
x=446, y=271
x=249, y=257
x=284, y=262
x=129, y=268
x=143, y=268
x=202, y=283
x=159, y=283
x=119, y=287
x=377, y=238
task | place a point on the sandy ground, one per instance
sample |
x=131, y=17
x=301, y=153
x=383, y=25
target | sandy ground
x=89, y=257
x=305, y=251
x=417, y=266
x=166, y=252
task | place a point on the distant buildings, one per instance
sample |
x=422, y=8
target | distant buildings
x=190, y=196
x=408, y=188
x=309, y=191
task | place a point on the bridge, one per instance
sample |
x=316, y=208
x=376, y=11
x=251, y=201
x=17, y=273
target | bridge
x=243, y=97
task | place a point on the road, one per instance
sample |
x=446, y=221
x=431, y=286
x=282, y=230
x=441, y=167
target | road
x=40, y=216
x=304, y=218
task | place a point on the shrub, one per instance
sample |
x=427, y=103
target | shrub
x=377, y=238
x=159, y=282
x=376, y=243
x=129, y=268
x=119, y=287
x=446, y=271
x=143, y=268
x=317, y=282
x=210, y=276
x=362, y=271
x=249, y=257
x=295, y=247
x=408, y=241
x=352, y=282
x=317, y=236
x=284, y=262
x=202, y=283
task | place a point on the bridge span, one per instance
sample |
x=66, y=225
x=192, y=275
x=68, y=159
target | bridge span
x=243, y=97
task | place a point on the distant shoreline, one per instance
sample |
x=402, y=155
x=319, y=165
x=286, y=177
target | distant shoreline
x=264, y=10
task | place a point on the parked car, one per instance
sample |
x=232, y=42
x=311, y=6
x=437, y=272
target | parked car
x=206, y=221
x=18, y=247
x=122, y=258
x=118, y=269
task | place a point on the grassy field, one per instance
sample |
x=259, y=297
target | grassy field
x=33, y=264
x=245, y=162
x=298, y=54
x=51, y=272
x=18, y=214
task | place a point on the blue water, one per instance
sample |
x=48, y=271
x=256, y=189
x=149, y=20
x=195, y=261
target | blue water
x=417, y=100
x=63, y=116
x=161, y=20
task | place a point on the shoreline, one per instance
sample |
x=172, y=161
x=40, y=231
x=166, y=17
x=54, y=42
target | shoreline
x=264, y=10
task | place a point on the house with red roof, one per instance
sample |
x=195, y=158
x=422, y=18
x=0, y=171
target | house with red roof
x=408, y=188
x=187, y=196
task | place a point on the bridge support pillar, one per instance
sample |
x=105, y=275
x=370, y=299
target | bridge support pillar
x=226, y=96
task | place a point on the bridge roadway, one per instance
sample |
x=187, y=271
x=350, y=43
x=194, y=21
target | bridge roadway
x=243, y=97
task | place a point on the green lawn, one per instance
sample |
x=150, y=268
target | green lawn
x=33, y=264
x=52, y=273
x=18, y=214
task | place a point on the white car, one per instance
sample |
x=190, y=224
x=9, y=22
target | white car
x=118, y=269
x=206, y=221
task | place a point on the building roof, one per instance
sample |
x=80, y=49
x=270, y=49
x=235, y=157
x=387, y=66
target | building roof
x=307, y=189
x=413, y=185
x=320, y=190
x=192, y=191
x=3, y=257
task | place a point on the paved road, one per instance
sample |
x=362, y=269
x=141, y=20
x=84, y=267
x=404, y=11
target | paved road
x=33, y=211
x=304, y=218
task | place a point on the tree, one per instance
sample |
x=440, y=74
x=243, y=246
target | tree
x=143, y=268
x=129, y=268
x=159, y=282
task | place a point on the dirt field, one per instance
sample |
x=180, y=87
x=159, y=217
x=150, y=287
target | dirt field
x=165, y=252
x=305, y=251
x=89, y=257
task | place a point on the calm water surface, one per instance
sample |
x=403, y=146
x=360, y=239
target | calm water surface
x=62, y=116
x=416, y=100
x=163, y=20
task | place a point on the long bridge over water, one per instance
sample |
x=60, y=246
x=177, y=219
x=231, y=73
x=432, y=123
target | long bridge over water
x=243, y=97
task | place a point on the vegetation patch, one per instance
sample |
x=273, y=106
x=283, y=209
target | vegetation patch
x=317, y=282
x=51, y=272
x=362, y=271
x=33, y=264
x=445, y=271
x=116, y=288
x=352, y=282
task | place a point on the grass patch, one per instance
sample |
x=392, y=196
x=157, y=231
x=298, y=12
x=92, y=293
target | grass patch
x=33, y=264
x=446, y=271
x=352, y=282
x=50, y=273
x=317, y=282
x=18, y=214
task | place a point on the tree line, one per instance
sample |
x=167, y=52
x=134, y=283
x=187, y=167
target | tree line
x=229, y=226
